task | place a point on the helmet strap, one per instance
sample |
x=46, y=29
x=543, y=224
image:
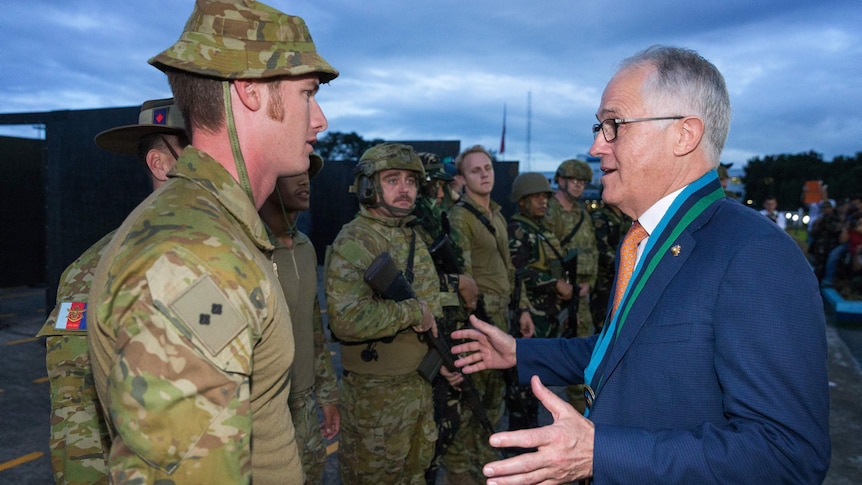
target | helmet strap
x=241, y=170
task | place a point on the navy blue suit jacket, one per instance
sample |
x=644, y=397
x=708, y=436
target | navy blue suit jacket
x=719, y=373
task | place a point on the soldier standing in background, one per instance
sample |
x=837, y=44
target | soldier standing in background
x=571, y=222
x=537, y=257
x=610, y=226
x=388, y=430
x=188, y=312
x=480, y=231
x=79, y=435
x=312, y=377
x=458, y=294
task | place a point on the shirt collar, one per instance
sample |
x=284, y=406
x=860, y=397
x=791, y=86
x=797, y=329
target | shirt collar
x=651, y=218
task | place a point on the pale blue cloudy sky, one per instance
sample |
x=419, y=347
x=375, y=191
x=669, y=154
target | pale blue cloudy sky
x=444, y=69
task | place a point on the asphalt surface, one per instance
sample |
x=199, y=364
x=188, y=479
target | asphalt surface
x=24, y=404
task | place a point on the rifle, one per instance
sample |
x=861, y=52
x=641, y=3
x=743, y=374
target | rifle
x=390, y=283
x=569, y=315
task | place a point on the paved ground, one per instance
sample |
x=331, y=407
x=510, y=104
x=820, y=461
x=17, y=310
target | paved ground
x=24, y=406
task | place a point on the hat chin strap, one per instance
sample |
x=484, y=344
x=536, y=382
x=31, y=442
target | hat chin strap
x=241, y=170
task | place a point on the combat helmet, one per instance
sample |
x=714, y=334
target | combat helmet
x=528, y=184
x=244, y=39
x=386, y=156
x=574, y=168
x=434, y=169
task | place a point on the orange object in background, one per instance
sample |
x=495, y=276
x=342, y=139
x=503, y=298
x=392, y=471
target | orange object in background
x=812, y=192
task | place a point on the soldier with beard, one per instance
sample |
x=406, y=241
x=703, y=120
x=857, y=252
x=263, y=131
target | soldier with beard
x=388, y=430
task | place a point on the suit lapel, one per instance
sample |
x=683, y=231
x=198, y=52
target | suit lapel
x=671, y=250
x=643, y=306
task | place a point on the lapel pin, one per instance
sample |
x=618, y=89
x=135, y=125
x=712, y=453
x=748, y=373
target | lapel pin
x=676, y=250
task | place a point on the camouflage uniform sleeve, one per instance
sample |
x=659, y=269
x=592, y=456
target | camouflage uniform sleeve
x=79, y=435
x=554, y=220
x=355, y=314
x=325, y=381
x=462, y=235
x=522, y=254
x=426, y=284
x=178, y=379
x=522, y=249
x=588, y=260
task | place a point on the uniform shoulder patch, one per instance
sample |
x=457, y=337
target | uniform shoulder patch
x=208, y=314
x=72, y=315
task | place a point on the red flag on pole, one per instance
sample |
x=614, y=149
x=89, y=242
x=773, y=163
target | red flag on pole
x=503, y=137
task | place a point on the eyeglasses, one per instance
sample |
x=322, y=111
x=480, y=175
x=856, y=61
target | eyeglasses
x=609, y=126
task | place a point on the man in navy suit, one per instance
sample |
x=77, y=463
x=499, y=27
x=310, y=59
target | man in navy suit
x=712, y=369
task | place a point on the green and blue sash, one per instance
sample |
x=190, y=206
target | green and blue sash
x=689, y=205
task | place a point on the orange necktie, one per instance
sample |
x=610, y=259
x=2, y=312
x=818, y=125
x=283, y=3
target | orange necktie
x=628, y=256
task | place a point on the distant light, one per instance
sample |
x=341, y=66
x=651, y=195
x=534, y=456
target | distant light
x=787, y=215
x=805, y=219
x=795, y=217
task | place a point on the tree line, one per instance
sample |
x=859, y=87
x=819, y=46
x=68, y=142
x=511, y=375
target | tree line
x=781, y=176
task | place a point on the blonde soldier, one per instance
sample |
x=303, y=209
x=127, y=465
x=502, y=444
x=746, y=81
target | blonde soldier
x=312, y=376
x=481, y=234
x=79, y=435
x=388, y=430
x=573, y=227
x=192, y=341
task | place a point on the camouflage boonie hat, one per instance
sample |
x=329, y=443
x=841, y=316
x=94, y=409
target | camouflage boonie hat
x=574, y=168
x=528, y=184
x=156, y=116
x=434, y=170
x=244, y=39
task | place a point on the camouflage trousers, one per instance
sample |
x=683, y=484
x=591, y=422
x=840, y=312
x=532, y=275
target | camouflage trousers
x=470, y=451
x=309, y=439
x=387, y=429
x=79, y=435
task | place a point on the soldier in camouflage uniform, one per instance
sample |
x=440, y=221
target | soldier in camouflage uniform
x=312, y=376
x=481, y=234
x=79, y=435
x=571, y=223
x=187, y=310
x=459, y=294
x=538, y=261
x=537, y=255
x=387, y=430
x=568, y=219
x=610, y=226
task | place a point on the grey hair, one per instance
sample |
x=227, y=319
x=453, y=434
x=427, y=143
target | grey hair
x=689, y=85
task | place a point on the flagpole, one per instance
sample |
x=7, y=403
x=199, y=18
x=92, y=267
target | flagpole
x=503, y=136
